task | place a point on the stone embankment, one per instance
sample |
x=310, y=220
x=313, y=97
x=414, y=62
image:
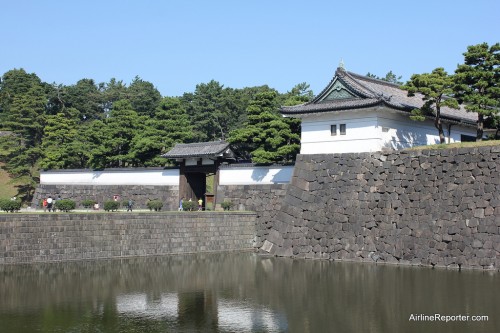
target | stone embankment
x=429, y=208
x=140, y=194
x=26, y=238
x=264, y=200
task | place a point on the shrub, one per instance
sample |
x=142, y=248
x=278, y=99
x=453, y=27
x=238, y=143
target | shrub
x=111, y=205
x=188, y=205
x=65, y=205
x=88, y=203
x=227, y=205
x=9, y=205
x=155, y=205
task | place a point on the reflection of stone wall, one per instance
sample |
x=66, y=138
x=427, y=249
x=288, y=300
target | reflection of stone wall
x=264, y=200
x=57, y=237
x=140, y=194
x=431, y=207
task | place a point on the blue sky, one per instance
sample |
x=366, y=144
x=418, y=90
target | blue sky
x=178, y=44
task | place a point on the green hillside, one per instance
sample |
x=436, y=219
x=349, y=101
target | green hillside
x=7, y=185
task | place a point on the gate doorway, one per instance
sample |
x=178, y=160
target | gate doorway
x=197, y=161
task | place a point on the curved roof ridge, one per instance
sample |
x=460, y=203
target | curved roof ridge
x=374, y=80
x=345, y=73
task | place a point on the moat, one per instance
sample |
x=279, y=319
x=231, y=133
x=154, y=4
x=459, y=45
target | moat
x=241, y=292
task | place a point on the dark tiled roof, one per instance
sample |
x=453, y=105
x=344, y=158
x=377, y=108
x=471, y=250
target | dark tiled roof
x=371, y=92
x=200, y=149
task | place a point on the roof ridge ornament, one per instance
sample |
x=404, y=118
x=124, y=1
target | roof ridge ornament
x=341, y=64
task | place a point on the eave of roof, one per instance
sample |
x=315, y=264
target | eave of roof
x=372, y=92
x=199, y=149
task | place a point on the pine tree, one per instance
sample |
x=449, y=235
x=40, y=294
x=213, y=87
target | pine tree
x=477, y=82
x=436, y=88
x=267, y=137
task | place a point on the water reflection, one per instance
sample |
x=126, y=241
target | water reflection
x=239, y=292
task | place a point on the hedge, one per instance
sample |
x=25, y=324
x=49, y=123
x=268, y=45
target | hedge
x=111, y=206
x=65, y=205
x=9, y=205
x=155, y=205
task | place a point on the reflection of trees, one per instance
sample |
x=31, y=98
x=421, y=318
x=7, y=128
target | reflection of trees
x=312, y=296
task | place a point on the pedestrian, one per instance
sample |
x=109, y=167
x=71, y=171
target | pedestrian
x=58, y=199
x=44, y=204
x=129, y=205
x=50, y=203
x=180, y=204
x=200, y=204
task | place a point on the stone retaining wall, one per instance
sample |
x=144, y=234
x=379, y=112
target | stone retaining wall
x=430, y=208
x=28, y=238
x=264, y=200
x=140, y=194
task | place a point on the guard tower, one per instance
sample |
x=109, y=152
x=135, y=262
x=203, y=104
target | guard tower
x=196, y=162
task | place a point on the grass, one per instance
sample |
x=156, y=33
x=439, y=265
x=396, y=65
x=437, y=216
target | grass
x=7, y=185
x=458, y=145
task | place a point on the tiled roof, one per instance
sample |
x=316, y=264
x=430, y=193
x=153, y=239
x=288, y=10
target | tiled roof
x=199, y=149
x=371, y=92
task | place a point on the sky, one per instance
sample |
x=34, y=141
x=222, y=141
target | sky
x=240, y=43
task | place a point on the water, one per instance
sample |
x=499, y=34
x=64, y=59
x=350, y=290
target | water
x=241, y=292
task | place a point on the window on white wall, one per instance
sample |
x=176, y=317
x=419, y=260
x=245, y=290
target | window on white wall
x=333, y=130
x=342, y=129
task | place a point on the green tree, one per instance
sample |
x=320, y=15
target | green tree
x=478, y=82
x=143, y=97
x=213, y=111
x=267, y=137
x=170, y=125
x=13, y=83
x=23, y=114
x=113, y=91
x=300, y=93
x=436, y=89
x=121, y=127
x=61, y=147
x=389, y=77
x=95, y=134
x=86, y=97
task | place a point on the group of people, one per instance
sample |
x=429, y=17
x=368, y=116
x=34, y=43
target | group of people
x=50, y=203
x=200, y=204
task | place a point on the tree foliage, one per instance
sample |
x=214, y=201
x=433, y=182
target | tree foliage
x=267, y=137
x=478, y=82
x=389, y=77
x=436, y=89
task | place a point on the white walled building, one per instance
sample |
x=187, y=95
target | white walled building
x=355, y=113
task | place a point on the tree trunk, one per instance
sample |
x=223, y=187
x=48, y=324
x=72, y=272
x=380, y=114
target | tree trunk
x=480, y=127
x=439, y=125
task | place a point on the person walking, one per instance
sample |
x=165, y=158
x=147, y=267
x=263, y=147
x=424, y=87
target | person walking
x=200, y=204
x=129, y=205
x=180, y=204
x=50, y=203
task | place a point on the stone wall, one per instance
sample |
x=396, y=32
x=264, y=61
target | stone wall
x=430, y=208
x=28, y=238
x=140, y=194
x=264, y=200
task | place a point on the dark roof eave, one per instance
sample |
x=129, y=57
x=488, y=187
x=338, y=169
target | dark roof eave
x=402, y=109
x=330, y=108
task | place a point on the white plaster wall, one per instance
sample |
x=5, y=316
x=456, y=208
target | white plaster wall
x=404, y=132
x=111, y=177
x=361, y=133
x=364, y=132
x=255, y=175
